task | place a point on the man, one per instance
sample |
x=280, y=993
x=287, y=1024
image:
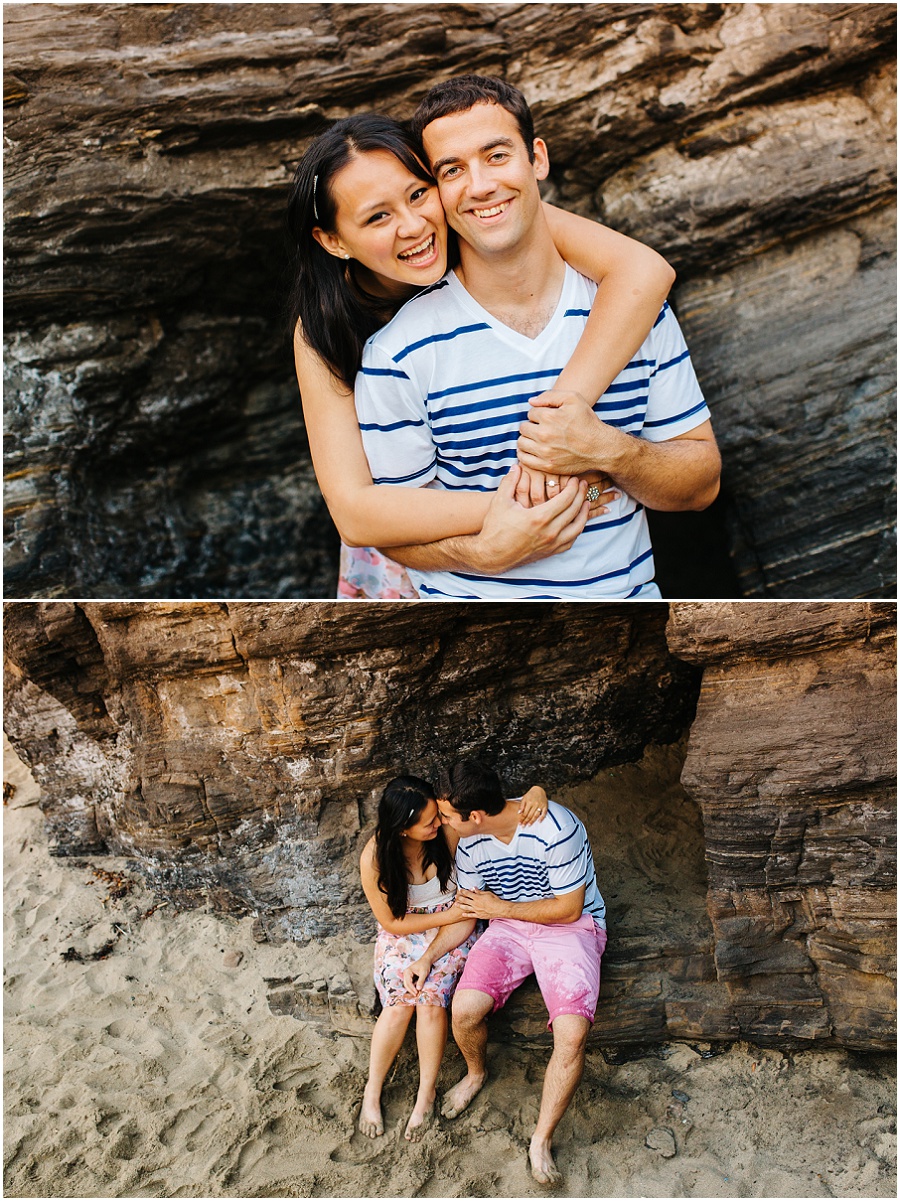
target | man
x=537, y=887
x=444, y=390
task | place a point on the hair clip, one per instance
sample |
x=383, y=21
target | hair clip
x=315, y=210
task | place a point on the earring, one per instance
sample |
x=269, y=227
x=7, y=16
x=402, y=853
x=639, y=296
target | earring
x=346, y=256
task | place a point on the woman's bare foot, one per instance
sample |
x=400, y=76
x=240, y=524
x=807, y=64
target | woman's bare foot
x=461, y=1095
x=419, y=1121
x=371, y=1123
x=543, y=1169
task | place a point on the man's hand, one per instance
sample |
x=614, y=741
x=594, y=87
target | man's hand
x=416, y=974
x=474, y=902
x=562, y=435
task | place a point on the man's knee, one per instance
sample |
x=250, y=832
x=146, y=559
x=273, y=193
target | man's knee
x=470, y=1007
x=570, y=1031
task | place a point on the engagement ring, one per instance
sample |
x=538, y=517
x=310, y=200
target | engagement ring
x=593, y=493
x=552, y=483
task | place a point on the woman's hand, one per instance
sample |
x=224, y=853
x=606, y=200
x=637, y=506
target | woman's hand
x=534, y=487
x=533, y=806
x=416, y=974
x=607, y=492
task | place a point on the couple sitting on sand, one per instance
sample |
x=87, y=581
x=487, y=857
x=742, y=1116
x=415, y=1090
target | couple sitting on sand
x=437, y=864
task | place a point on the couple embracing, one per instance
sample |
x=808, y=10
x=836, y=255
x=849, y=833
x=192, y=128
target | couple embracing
x=494, y=390
x=437, y=865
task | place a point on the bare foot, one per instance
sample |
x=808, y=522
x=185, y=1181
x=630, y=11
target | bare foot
x=543, y=1169
x=461, y=1094
x=419, y=1121
x=371, y=1123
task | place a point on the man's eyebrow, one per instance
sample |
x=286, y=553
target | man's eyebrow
x=440, y=163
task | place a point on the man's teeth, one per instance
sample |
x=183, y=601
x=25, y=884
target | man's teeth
x=416, y=250
x=498, y=208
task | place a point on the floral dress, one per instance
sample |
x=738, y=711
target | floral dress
x=395, y=952
x=367, y=574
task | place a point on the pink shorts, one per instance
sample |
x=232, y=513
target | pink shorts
x=565, y=959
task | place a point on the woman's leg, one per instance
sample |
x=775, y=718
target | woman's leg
x=387, y=1039
x=431, y=1039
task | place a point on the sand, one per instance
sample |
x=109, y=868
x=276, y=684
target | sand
x=156, y=1069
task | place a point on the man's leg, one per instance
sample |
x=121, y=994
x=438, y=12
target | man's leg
x=567, y=966
x=470, y=1013
x=564, y=1072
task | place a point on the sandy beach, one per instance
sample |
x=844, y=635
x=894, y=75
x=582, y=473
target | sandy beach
x=142, y=1060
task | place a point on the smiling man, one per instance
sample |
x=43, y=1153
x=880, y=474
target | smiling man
x=444, y=395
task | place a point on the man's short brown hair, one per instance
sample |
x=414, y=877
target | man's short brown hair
x=463, y=92
x=470, y=784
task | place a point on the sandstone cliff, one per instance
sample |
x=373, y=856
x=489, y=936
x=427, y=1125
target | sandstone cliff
x=156, y=446
x=236, y=752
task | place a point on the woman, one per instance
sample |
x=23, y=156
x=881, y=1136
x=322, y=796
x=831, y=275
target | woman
x=407, y=875
x=368, y=231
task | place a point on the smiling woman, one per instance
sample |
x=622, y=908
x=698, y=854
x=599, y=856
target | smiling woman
x=390, y=221
x=368, y=233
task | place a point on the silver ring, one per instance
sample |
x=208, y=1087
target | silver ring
x=552, y=483
x=593, y=493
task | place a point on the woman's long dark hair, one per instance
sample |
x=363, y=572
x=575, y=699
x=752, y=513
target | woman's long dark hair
x=336, y=316
x=399, y=808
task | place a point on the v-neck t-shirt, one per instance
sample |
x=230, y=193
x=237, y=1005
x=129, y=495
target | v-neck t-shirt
x=440, y=396
x=548, y=859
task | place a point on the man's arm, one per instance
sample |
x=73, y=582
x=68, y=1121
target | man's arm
x=666, y=459
x=552, y=911
x=564, y=434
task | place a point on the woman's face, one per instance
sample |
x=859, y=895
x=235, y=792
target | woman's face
x=426, y=824
x=389, y=220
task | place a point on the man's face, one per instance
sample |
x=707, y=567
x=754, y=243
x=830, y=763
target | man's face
x=450, y=817
x=488, y=186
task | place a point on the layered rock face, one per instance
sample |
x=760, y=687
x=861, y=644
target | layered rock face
x=240, y=749
x=236, y=753
x=792, y=760
x=156, y=446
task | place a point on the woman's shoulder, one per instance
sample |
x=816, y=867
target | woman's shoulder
x=367, y=855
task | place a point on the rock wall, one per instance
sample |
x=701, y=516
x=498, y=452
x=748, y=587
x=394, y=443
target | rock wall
x=239, y=750
x=155, y=443
x=236, y=752
x=792, y=760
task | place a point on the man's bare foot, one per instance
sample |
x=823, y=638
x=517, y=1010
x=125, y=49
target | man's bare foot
x=419, y=1121
x=461, y=1095
x=371, y=1123
x=543, y=1169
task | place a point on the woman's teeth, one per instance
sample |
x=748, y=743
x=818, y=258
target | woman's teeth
x=418, y=251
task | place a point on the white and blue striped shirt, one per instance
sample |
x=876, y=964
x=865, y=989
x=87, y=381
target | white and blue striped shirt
x=548, y=859
x=440, y=396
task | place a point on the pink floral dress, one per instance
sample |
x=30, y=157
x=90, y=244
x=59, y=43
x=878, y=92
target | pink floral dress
x=395, y=952
x=367, y=574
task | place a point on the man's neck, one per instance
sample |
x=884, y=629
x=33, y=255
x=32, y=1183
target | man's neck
x=504, y=824
x=521, y=287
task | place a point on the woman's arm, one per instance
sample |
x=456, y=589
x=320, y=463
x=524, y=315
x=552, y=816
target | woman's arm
x=366, y=514
x=634, y=282
x=411, y=923
x=445, y=940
